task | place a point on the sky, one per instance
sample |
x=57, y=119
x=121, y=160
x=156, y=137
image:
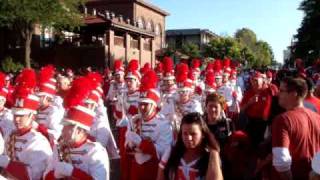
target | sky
x=273, y=21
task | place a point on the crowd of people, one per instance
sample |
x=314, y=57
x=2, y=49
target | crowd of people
x=187, y=121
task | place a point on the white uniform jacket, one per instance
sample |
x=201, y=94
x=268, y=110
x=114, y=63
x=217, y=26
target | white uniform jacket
x=156, y=136
x=101, y=131
x=32, y=149
x=90, y=158
x=6, y=122
x=127, y=108
x=51, y=118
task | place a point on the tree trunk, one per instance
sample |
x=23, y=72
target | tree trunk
x=27, y=47
x=26, y=29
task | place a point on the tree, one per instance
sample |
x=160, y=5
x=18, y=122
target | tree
x=191, y=50
x=260, y=50
x=223, y=47
x=307, y=46
x=23, y=16
x=246, y=37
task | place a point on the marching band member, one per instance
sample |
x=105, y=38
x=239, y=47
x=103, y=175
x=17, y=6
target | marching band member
x=75, y=156
x=125, y=110
x=6, y=116
x=184, y=103
x=100, y=129
x=149, y=134
x=117, y=86
x=49, y=117
x=169, y=89
x=27, y=151
x=159, y=71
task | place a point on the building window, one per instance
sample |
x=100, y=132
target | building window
x=157, y=30
x=148, y=26
x=46, y=37
x=140, y=23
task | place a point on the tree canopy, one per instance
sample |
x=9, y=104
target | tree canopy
x=307, y=45
x=244, y=47
x=25, y=15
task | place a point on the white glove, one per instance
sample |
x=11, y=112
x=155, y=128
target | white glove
x=4, y=161
x=133, y=138
x=62, y=169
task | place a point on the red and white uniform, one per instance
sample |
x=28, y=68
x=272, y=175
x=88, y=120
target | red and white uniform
x=101, y=131
x=32, y=149
x=149, y=139
x=167, y=101
x=226, y=91
x=116, y=90
x=128, y=104
x=51, y=118
x=193, y=105
x=6, y=122
x=88, y=161
x=124, y=112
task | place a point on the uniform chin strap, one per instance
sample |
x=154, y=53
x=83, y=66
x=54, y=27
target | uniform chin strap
x=152, y=111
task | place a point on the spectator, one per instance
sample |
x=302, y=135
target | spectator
x=295, y=133
x=195, y=155
x=310, y=98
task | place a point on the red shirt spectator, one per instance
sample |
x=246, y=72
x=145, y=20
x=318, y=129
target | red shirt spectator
x=295, y=133
x=298, y=131
x=260, y=107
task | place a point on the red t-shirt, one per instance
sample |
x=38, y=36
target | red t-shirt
x=299, y=131
x=261, y=108
x=314, y=101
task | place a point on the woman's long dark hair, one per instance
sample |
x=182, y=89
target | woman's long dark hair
x=179, y=149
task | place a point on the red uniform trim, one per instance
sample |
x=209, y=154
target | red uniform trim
x=147, y=147
x=50, y=176
x=79, y=174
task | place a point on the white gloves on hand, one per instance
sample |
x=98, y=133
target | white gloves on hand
x=62, y=169
x=134, y=138
x=4, y=161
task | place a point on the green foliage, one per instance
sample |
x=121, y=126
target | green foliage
x=223, y=47
x=23, y=15
x=9, y=66
x=246, y=37
x=191, y=50
x=243, y=47
x=17, y=13
x=307, y=46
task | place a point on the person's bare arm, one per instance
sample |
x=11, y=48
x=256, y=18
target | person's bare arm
x=214, y=171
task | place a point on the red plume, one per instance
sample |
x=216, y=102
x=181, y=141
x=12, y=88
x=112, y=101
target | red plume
x=196, y=63
x=159, y=67
x=149, y=81
x=118, y=65
x=2, y=80
x=46, y=73
x=217, y=65
x=226, y=63
x=168, y=65
x=209, y=67
x=27, y=78
x=133, y=65
x=146, y=68
x=210, y=78
x=182, y=71
x=95, y=79
x=80, y=89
